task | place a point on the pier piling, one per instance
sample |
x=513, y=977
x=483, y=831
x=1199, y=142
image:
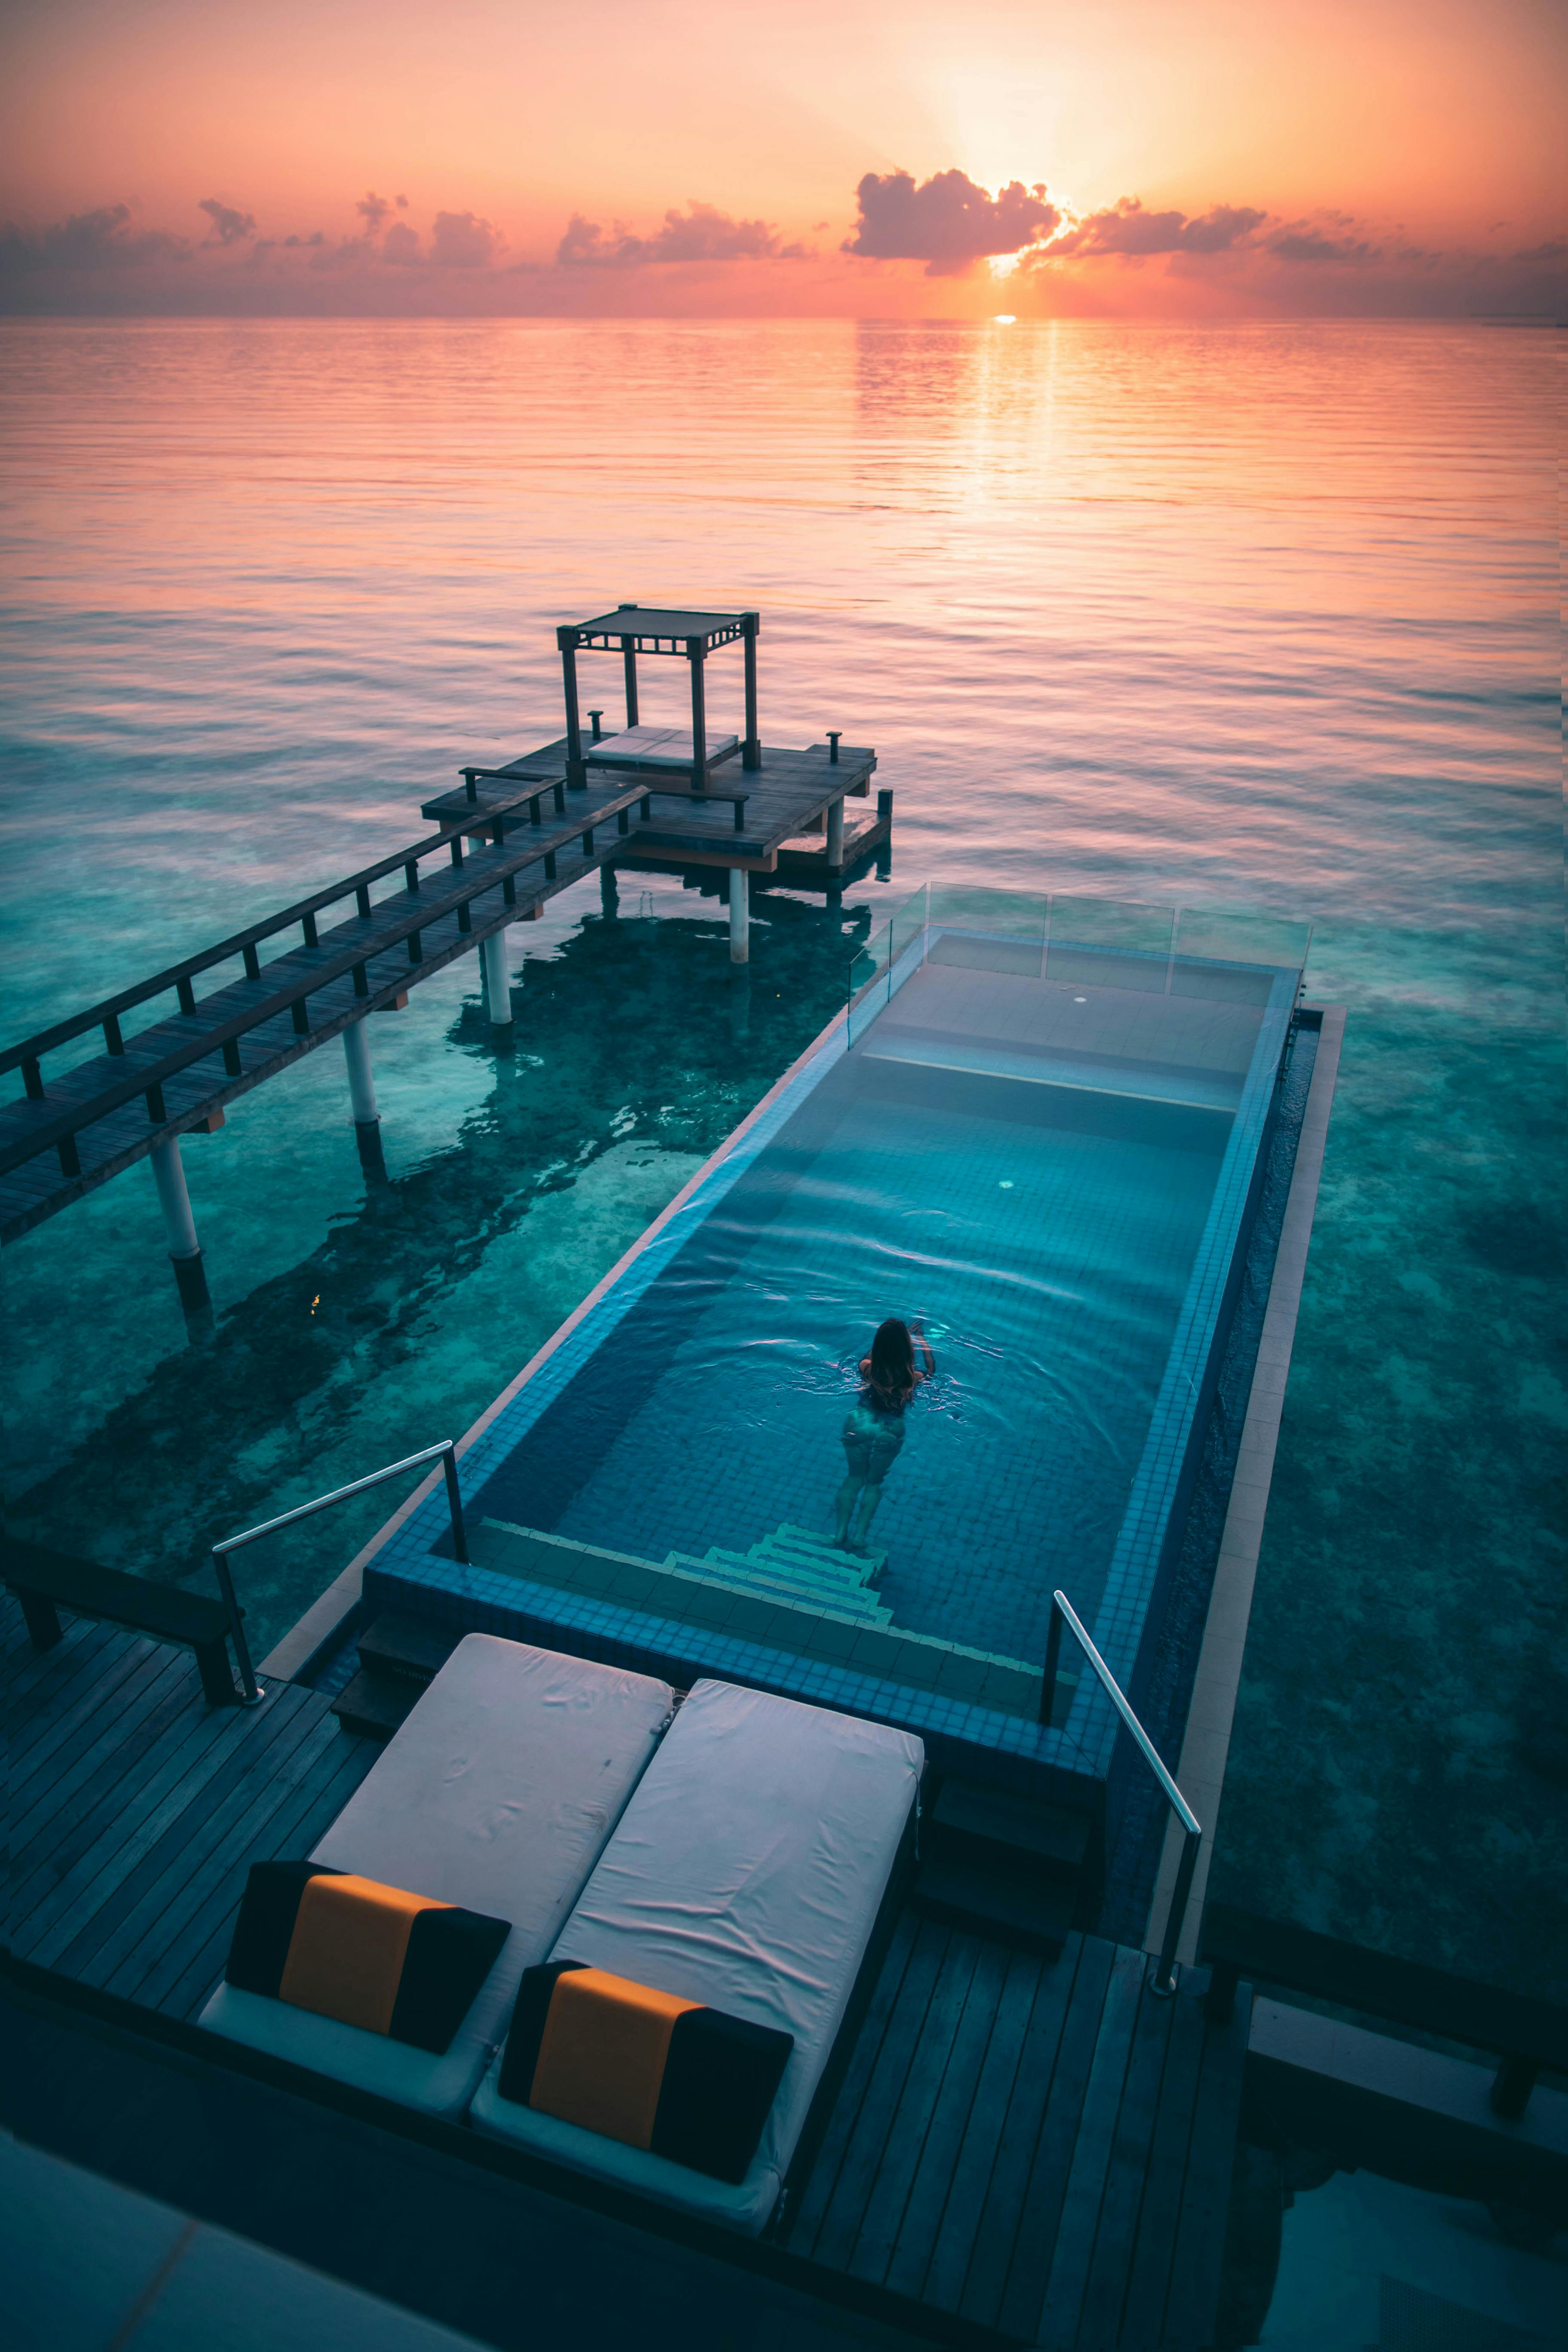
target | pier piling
x=361, y=1100
x=497, y=984
x=835, y=834
x=740, y=916
x=184, y=1249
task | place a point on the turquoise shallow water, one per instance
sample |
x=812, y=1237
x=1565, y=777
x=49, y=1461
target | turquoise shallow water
x=1263, y=613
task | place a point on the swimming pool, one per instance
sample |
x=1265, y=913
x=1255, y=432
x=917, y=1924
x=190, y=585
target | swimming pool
x=1036, y=1128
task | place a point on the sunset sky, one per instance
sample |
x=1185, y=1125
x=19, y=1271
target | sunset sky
x=1338, y=156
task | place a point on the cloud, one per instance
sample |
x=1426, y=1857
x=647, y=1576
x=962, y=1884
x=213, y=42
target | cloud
x=372, y=209
x=1126, y=228
x=1311, y=245
x=229, y=227
x=701, y=233
x=401, y=243
x=947, y=222
x=87, y=241
x=463, y=241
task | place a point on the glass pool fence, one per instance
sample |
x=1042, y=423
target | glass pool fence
x=1071, y=940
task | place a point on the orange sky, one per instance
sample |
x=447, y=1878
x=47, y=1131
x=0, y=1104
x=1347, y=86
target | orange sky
x=1396, y=153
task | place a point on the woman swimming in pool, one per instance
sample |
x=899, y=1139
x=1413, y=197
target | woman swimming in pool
x=874, y=1432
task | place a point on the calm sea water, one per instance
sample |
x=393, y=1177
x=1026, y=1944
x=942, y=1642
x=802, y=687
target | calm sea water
x=1263, y=613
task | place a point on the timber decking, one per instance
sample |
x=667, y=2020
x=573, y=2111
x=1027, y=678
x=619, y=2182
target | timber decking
x=134, y=1808
x=1018, y=2150
x=784, y=796
x=1035, y=2146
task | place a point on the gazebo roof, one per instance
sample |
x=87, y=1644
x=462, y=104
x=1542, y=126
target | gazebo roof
x=658, y=629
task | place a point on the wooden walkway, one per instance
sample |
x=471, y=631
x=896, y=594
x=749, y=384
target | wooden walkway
x=529, y=837
x=1023, y=2151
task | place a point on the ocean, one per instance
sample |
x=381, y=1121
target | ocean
x=1262, y=613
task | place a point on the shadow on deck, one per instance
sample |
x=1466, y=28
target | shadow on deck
x=1010, y=2148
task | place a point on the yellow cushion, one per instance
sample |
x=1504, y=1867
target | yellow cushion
x=601, y=2059
x=347, y=1954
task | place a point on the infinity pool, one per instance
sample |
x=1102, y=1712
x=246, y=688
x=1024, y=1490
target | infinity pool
x=1047, y=1157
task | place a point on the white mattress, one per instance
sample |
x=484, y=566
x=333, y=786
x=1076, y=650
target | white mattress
x=498, y=1792
x=746, y=1874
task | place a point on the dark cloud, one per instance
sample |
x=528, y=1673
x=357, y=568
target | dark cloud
x=402, y=203
x=1311, y=245
x=947, y=221
x=372, y=210
x=317, y=236
x=1554, y=249
x=701, y=233
x=87, y=241
x=229, y=227
x=401, y=244
x=1125, y=227
x=463, y=241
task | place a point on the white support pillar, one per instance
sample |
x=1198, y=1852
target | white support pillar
x=184, y=1249
x=740, y=916
x=361, y=1083
x=835, y=834
x=498, y=981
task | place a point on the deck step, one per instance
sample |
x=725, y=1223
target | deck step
x=1012, y=1834
x=375, y=1705
x=1035, y=1912
x=412, y=1647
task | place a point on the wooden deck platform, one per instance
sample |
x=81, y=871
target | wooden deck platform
x=784, y=795
x=1011, y=2150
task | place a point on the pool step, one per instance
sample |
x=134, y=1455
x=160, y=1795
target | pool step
x=744, y=1575
x=1008, y=1864
x=398, y=1655
x=794, y=1564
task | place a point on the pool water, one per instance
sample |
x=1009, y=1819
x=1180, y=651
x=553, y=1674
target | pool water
x=988, y=1160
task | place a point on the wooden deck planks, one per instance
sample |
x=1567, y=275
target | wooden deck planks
x=955, y=2239
x=1079, y=1971
x=1037, y=2148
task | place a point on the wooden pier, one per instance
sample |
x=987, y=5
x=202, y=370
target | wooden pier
x=507, y=840
x=1010, y=2148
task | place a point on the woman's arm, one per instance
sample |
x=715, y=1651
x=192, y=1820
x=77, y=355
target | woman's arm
x=919, y=1337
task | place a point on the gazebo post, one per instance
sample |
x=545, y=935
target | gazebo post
x=576, y=766
x=752, y=749
x=695, y=654
x=629, y=658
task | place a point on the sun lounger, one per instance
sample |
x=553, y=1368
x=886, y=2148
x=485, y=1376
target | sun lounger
x=497, y=1794
x=746, y=1876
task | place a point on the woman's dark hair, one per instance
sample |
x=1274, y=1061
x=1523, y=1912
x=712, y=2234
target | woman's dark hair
x=893, y=1361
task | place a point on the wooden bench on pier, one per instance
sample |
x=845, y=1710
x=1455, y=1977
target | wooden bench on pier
x=47, y=1581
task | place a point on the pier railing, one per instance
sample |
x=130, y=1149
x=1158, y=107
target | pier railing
x=1063, y=1613
x=445, y=1452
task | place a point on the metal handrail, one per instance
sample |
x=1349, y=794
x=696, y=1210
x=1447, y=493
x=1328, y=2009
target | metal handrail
x=445, y=1452
x=1062, y=1609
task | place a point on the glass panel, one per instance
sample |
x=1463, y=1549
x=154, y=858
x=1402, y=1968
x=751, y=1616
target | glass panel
x=1109, y=943
x=872, y=967
x=991, y=931
x=1233, y=952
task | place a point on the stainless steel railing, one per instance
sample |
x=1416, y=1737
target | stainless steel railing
x=1063, y=1612
x=251, y=1691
